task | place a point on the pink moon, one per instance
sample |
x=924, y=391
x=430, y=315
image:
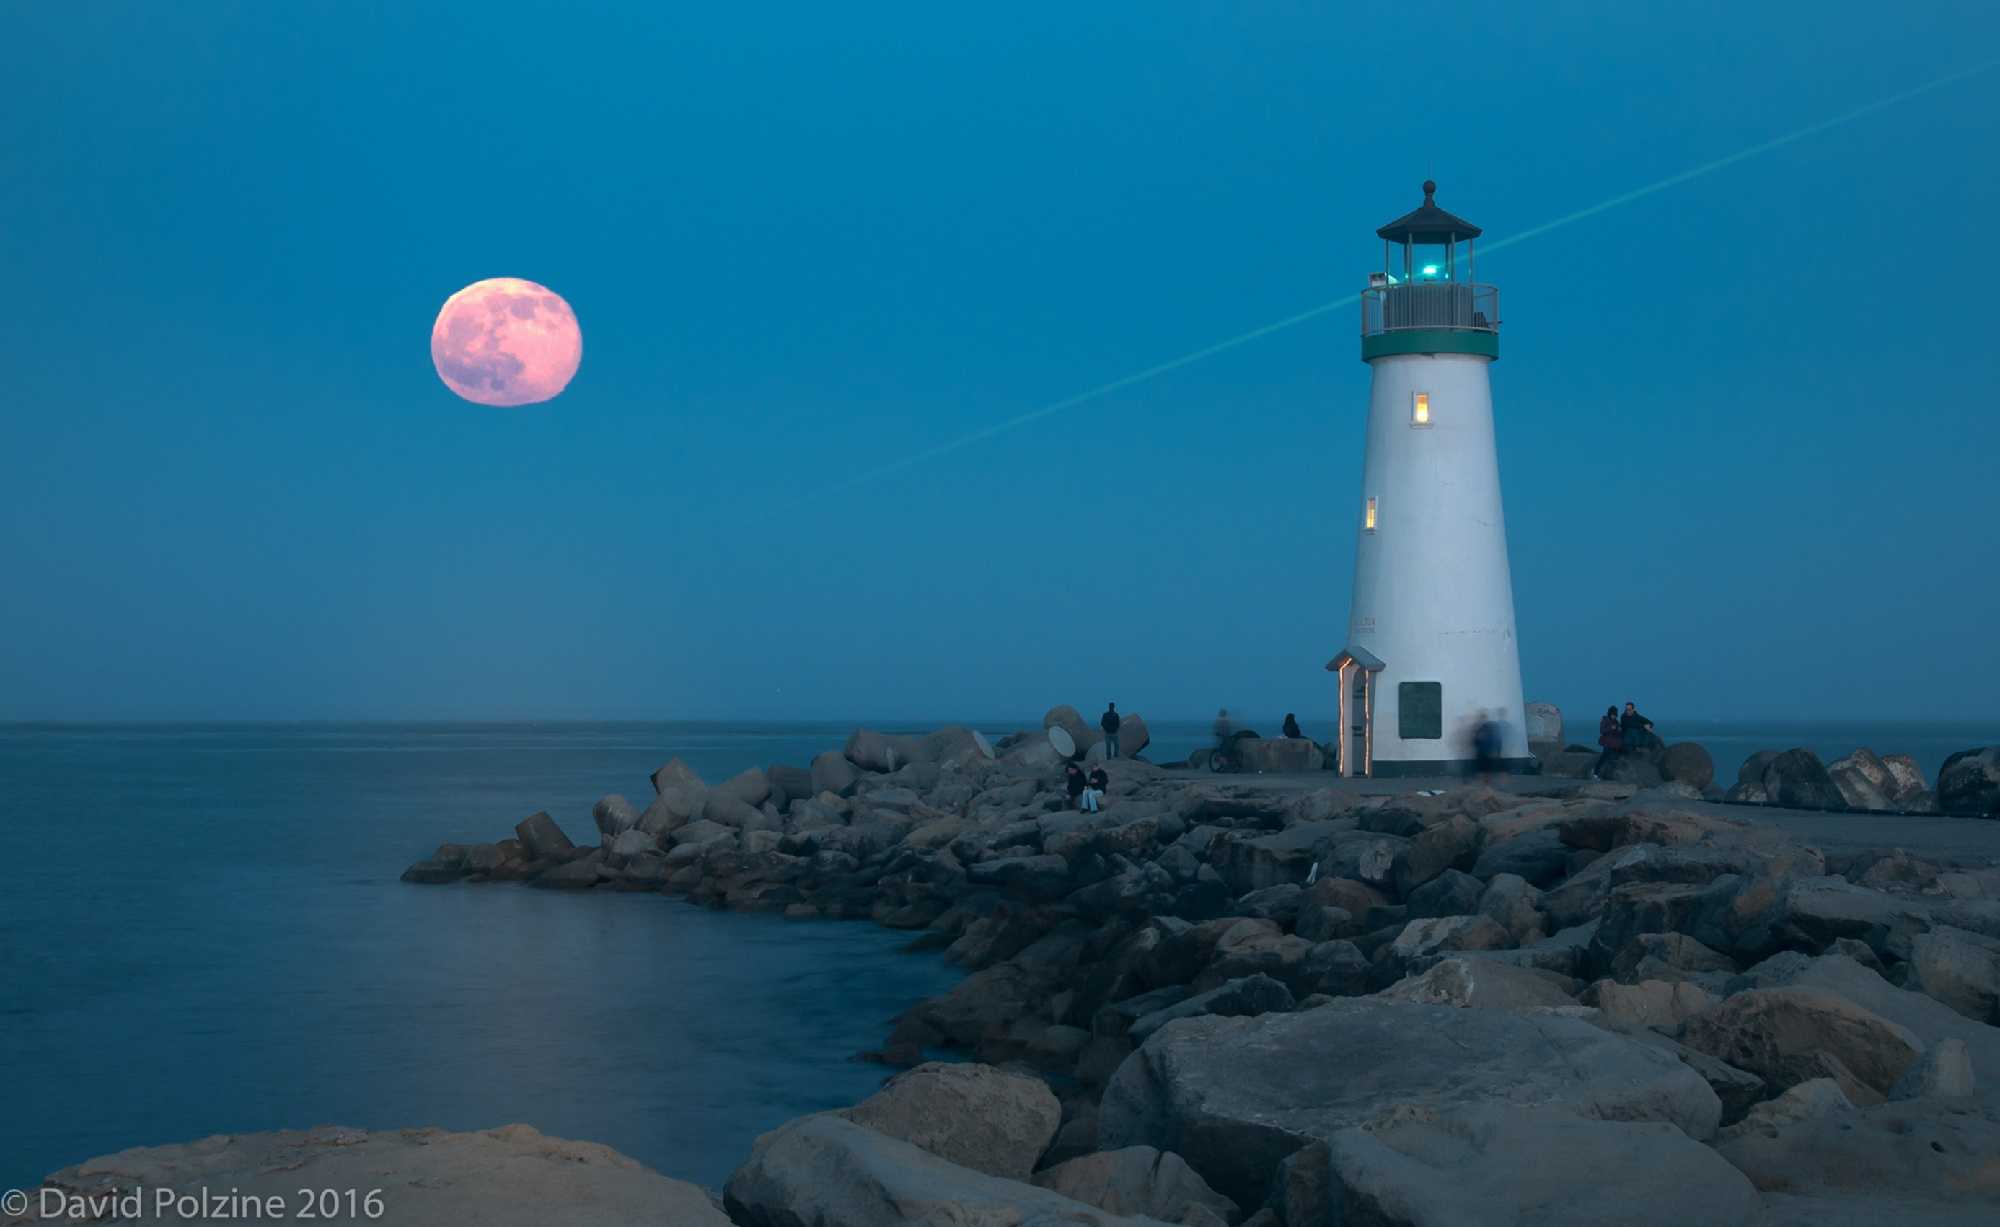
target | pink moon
x=506, y=341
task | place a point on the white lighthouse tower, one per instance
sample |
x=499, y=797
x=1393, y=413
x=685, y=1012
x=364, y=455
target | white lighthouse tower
x=1430, y=637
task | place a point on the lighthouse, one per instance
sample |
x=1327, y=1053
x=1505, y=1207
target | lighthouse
x=1430, y=648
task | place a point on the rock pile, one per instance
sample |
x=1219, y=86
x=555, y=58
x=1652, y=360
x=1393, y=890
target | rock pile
x=1239, y=1003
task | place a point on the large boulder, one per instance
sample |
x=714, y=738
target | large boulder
x=1792, y=1035
x=1140, y=1180
x=426, y=1177
x=1969, y=783
x=1908, y=788
x=827, y=1171
x=1133, y=735
x=1959, y=968
x=1796, y=779
x=831, y=772
x=541, y=838
x=1544, y=722
x=750, y=786
x=1275, y=754
x=676, y=805
x=1634, y=769
x=614, y=815
x=1253, y=994
x=975, y=1116
x=1938, y=1157
x=1864, y=780
x=878, y=752
x=1234, y=1096
x=1494, y=1164
x=1069, y=720
x=789, y=784
x=674, y=771
x=1688, y=762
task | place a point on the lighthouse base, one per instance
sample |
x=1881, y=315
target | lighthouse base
x=1404, y=768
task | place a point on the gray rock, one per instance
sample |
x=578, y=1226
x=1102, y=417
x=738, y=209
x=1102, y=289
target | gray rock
x=831, y=772
x=1633, y=769
x=1907, y=785
x=436, y=871
x=1667, y=956
x=1864, y=780
x=1255, y=994
x=1279, y=903
x=628, y=844
x=975, y=1116
x=1510, y=902
x=1447, y=933
x=1540, y=857
x=701, y=833
x=1139, y=1180
x=1317, y=922
x=873, y=751
x=1943, y=1072
x=1688, y=762
x=1451, y=844
x=1792, y=1035
x=789, y=784
x=1335, y=968
x=1481, y=985
x=731, y=810
x=676, y=772
x=1968, y=783
x=1037, y=876
x=542, y=838
x=827, y=1171
x=1649, y=1003
x=1796, y=779
x=1923, y=1149
x=572, y=875
x=1544, y=722
x=676, y=805
x=750, y=786
x=1959, y=968
x=1248, y=861
x=1451, y=893
x=615, y=815
x=1491, y=1164
x=1234, y=1096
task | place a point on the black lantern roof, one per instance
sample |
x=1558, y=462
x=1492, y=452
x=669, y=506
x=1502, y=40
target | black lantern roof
x=1428, y=224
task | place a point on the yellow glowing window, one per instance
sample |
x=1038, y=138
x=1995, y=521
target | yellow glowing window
x=1420, y=409
x=1368, y=522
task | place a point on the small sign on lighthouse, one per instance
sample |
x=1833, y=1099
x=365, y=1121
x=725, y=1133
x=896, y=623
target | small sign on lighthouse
x=1433, y=597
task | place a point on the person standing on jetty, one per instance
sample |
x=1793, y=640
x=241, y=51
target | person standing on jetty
x=1073, y=781
x=1486, y=746
x=1292, y=729
x=1109, y=722
x=1611, y=739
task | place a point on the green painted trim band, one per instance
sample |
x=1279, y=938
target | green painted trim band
x=1430, y=341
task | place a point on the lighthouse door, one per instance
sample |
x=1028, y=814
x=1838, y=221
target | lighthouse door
x=1356, y=760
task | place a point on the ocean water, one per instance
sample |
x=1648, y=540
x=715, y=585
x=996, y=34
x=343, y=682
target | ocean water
x=202, y=931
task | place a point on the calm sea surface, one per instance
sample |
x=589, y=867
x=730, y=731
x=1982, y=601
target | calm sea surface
x=202, y=931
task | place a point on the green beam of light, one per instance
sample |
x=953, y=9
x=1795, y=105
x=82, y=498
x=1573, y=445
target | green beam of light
x=1312, y=313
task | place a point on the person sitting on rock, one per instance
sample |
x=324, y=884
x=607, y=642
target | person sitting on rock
x=1094, y=786
x=1109, y=722
x=1610, y=736
x=1292, y=727
x=1637, y=730
x=1073, y=781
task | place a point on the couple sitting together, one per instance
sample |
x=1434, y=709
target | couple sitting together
x=1086, y=792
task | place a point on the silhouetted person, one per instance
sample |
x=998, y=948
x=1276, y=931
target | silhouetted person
x=1486, y=746
x=1094, y=786
x=1073, y=781
x=1292, y=726
x=1611, y=739
x=1637, y=730
x=1109, y=722
x=1225, y=733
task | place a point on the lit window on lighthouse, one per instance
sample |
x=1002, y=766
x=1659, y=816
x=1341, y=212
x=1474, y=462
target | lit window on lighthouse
x=1368, y=520
x=1420, y=409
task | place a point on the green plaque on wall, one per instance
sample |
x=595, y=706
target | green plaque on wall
x=1420, y=711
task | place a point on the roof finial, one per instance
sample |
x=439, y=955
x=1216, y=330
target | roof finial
x=1430, y=190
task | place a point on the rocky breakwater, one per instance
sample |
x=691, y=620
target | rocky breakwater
x=1292, y=1007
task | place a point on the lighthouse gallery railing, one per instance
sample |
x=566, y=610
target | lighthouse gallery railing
x=1430, y=304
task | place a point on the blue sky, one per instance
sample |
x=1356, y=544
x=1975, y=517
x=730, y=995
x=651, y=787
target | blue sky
x=1747, y=424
